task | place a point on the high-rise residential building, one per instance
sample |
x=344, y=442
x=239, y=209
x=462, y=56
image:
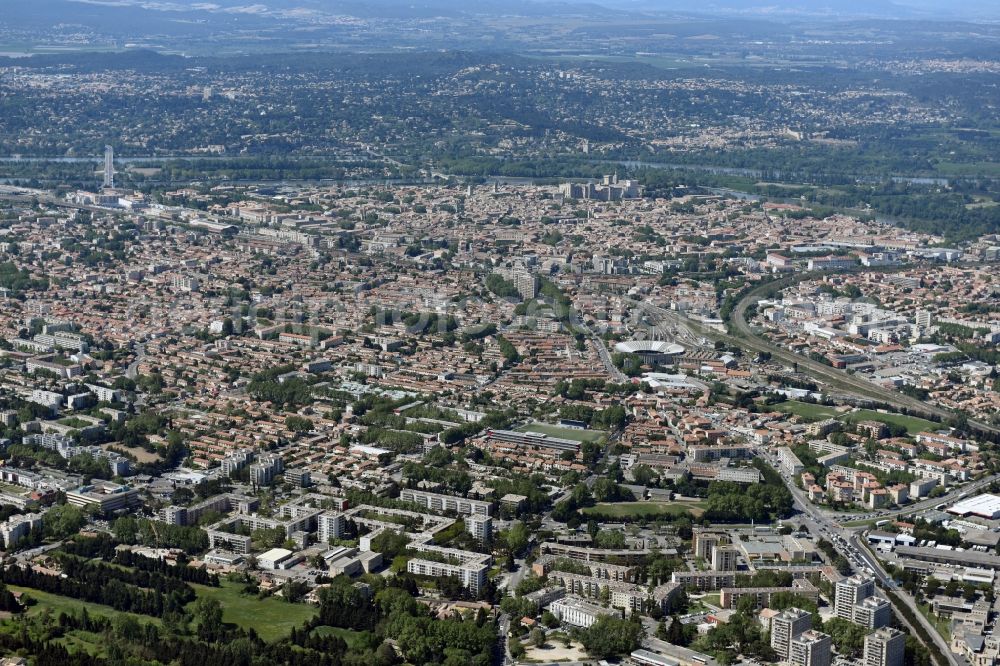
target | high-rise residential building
x=109, y=167
x=480, y=527
x=704, y=543
x=885, y=647
x=873, y=613
x=526, y=283
x=724, y=558
x=785, y=626
x=262, y=473
x=330, y=525
x=810, y=648
x=851, y=592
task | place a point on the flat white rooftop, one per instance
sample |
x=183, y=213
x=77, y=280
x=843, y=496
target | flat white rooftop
x=986, y=506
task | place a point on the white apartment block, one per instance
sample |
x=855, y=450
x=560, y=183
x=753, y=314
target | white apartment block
x=873, y=613
x=578, y=612
x=330, y=526
x=885, y=647
x=442, y=503
x=480, y=527
x=850, y=592
x=785, y=627
x=472, y=575
x=18, y=527
x=810, y=648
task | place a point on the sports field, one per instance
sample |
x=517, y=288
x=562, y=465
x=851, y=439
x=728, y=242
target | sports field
x=814, y=412
x=564, y=433
x=806, y=409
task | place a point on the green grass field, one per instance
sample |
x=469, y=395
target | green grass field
x=942, y=625
x=912, y=424
x=271, y=618
x=564, y=433
x=806, y=410
x=712, y=599
x=632, y=509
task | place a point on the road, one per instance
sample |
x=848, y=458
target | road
x=602, y=350
x=848, y=543
x=133, y=368
x=929, y=503
x=503, y=629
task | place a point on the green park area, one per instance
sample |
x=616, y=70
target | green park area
x=806, y=410
x=271, y=617
x=54, y=604
x=815, y=412
x=625, y=510
x=574, y=434
x=912, y=424
x=356, y=640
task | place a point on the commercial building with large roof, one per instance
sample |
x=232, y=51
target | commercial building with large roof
x=984, y=506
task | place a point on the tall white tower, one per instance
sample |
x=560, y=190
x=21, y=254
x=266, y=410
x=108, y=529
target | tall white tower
x=109, y=167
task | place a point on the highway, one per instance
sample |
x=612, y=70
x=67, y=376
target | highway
x=849, y=544
x=922, y=505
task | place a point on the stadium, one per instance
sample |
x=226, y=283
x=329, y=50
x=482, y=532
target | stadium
x=652, y=351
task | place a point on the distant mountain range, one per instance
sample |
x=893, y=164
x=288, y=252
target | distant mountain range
x=199, y=25
x=246, y=10
x=904, y=9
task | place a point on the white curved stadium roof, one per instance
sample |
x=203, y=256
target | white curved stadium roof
x=649, y=347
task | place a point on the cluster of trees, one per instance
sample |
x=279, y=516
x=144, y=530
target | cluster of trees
x=435, y=467
x=734, y=502
x=612, y=636
x=290, y=394
x=501, y=287
x=416, y=322
x=142, y=531
x=577, y=389
x=629, y=364
x=393, y=613
x=508, y=350
x=110, y=586
x=17, y=281
x=604, y=419
x=530, y=487
x=742, y=635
